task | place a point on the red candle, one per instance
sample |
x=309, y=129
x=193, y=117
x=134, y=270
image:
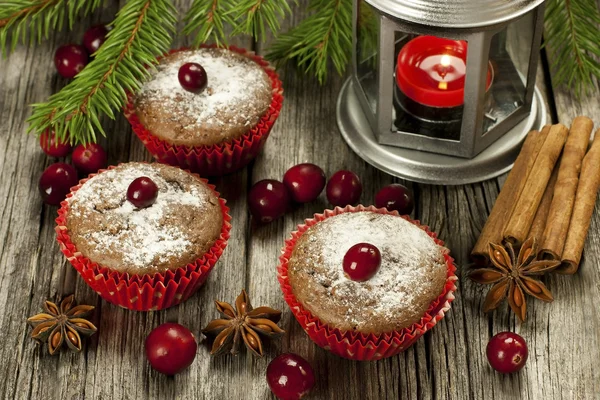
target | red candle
x=431, y=71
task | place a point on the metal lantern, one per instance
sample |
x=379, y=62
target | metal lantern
x=443, y=91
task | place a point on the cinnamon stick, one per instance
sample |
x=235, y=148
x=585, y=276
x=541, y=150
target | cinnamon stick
x=585, y=200
x=520, y=221
x=559, y=217
x=507, y=198
x=541, y=216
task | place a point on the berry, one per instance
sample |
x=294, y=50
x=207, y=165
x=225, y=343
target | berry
x=395, y=197
x=304, y=182
x=56, y=182
x=94, y=37
x=192, y=77
x=70, y=59
x=507, y=352
x=170, y=348
x=344, y=188
x=142, y=192
x=89, y=158
x=361, y=262
x=290, y=376
x=268, y=200
x=53, y=146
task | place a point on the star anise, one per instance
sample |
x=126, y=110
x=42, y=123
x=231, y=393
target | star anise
x=62, y=324
x=512, y=275
x=242, y=324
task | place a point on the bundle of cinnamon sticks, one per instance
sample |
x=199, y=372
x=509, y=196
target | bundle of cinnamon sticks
x=549, y=195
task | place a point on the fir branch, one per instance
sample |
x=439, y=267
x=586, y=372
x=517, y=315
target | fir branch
x=571, y=36
x=326, y=35
x=35, y=19
x=208, y=18
x=252, y=15
x=142, y=31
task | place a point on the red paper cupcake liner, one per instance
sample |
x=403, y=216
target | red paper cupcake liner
x=351, y=344
x=218, y=159
x=142, y=292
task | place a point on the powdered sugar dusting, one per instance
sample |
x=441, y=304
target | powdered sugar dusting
x=234, y=84
x=409, y=258
x=139, y=236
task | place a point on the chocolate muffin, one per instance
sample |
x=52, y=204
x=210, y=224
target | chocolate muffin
x=180, y=226
x=237, y=95
x=412, y=273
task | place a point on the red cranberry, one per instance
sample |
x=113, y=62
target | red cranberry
x=56, y=182
x=53, y=146
x=344, y=188
x=192, y=77
x=171, y=348
x=507, y=352
x=268, y=200
x=70, y=60
x=304, y=182
x=362, y=261
x=94, y=37
x=89, y=158
x=290, y=376
x=395, y=197
x=142, y=192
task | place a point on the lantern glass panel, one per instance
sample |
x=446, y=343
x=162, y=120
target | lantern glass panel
x=510, y=52
x=367, y=31
x=429, y=78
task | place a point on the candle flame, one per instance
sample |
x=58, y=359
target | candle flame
x=445, y=61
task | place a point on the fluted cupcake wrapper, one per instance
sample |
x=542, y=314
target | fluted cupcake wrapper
x=351, y=344
x=218, y=159
x=142, y=292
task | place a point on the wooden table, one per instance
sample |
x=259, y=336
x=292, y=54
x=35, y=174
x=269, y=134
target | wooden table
x=448, y=362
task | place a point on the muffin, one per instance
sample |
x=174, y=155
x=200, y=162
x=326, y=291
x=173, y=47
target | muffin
x=412, y=273
x=377, y=317
x=237, y=95
x=182, y=233
x=203, y=130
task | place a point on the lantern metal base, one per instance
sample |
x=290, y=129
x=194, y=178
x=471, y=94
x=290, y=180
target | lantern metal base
x=424, y=167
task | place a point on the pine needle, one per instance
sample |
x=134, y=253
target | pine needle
x=30, y=21
x=207, y=21
x=251, y=16
x=573, y=42
x=142, y=30
x=323, y=37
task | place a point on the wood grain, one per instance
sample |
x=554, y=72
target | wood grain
x=447, y=363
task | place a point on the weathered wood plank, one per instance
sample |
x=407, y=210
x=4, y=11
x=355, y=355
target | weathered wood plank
x=576, y=295
x=31, y=268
